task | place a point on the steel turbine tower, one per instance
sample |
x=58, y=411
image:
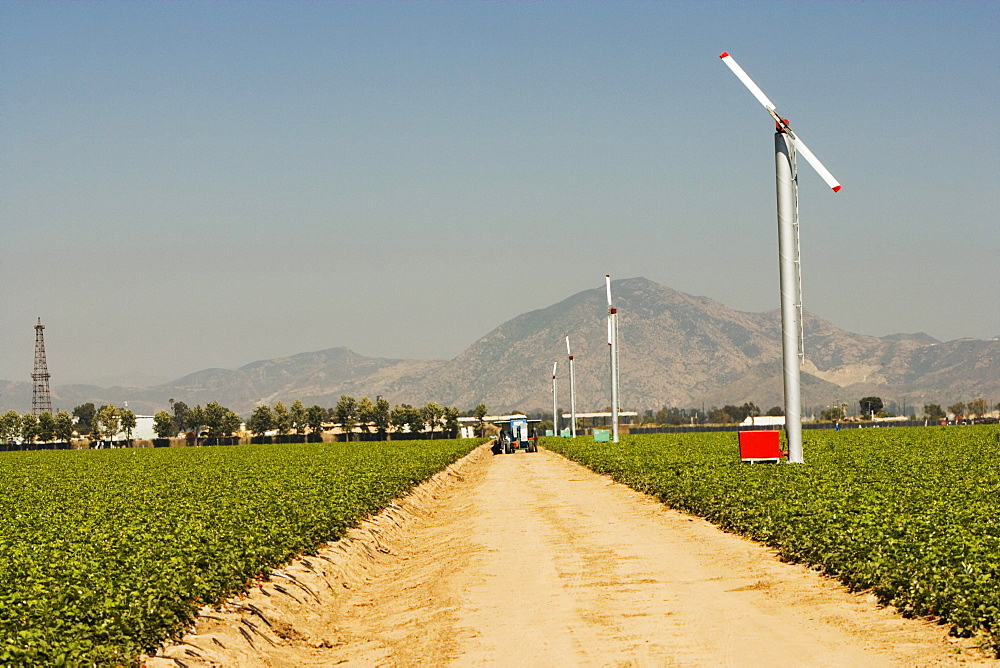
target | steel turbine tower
x=555, y=402
x=786, y=144
x=572, y=391
x=613, y=352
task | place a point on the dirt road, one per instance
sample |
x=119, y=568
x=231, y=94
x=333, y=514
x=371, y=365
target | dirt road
x=530, y=559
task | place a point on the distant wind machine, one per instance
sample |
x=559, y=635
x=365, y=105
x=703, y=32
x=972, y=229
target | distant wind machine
x=613, y=351
x=572, y=390
x=786, y=145
x=555, y=402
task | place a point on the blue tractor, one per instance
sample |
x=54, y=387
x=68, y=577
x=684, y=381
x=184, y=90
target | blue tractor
x=515, y=434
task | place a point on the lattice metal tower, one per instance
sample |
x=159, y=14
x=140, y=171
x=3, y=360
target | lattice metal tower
x=41, y=400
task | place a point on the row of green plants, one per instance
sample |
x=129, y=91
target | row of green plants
x=106, y=553
x=911, y=514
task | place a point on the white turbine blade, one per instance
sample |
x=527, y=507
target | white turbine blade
x=801, y=147
x=568, y=351
x=609, y=330
x=554, y=366
x=747, y=81
x=607, y=282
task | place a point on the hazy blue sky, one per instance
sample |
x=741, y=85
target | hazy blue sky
x=188, y=184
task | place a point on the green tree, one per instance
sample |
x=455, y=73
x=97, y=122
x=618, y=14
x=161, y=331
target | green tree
x=381, y=417
x=95, y=431
x=163, y=425
x=958, y=410
x=977, y=407
x=397, y=417
x=830, y=413
x=29, y=428
x=405, y=417
x=297, y=413
x=46, y=427
x=870, y=405
x=107, y=421
x=64, y=427
x=720, y=415
x=215, y=416
x=194, y=419
x=314, y=418
x=451, y=422
x=261, y=420
x=432, y=415
x=346, y=411
x=775, y=411
x=282, y=419
x=479, y=412
x=10, y=426
x=366, y=410
x=934, y=412
x=128, y=422
x=679, y=416
x=415, y=420
x=180, y=410
x=231, y=423
x=84, y=414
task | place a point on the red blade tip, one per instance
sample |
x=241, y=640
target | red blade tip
x=837, y=189
x=725, y=54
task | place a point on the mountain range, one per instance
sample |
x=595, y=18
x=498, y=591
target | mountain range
x=675, y=350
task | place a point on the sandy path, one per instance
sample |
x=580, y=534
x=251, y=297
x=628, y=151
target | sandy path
x=530, y=559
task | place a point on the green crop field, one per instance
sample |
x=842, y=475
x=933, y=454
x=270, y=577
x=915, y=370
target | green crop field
x=104, y=554
x=913, y=514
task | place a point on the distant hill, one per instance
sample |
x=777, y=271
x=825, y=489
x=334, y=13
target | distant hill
x=681, y=350
x=676, y=349
x=316, y=378
x=922, y=337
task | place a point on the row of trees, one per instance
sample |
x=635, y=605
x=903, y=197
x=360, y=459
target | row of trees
x=287, y=420
x=30, y=428
x=369, y=417
x=727, y=414
x=215, y=419
x=976, y=408
x=351, y=414
x=871, y=405
x=973, y=409
x=106, y=421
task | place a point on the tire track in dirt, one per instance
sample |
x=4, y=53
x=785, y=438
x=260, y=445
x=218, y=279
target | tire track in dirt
x=530, y=559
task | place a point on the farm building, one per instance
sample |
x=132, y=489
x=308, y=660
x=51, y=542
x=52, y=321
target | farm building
x=764, y=421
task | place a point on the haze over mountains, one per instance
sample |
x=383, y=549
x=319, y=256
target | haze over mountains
x=676, y=350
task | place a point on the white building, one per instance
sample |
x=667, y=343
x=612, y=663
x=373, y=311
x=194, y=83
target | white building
x=764, y=421
x=144, y=428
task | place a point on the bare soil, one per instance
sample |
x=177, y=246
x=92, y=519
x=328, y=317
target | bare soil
x=530, y=559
